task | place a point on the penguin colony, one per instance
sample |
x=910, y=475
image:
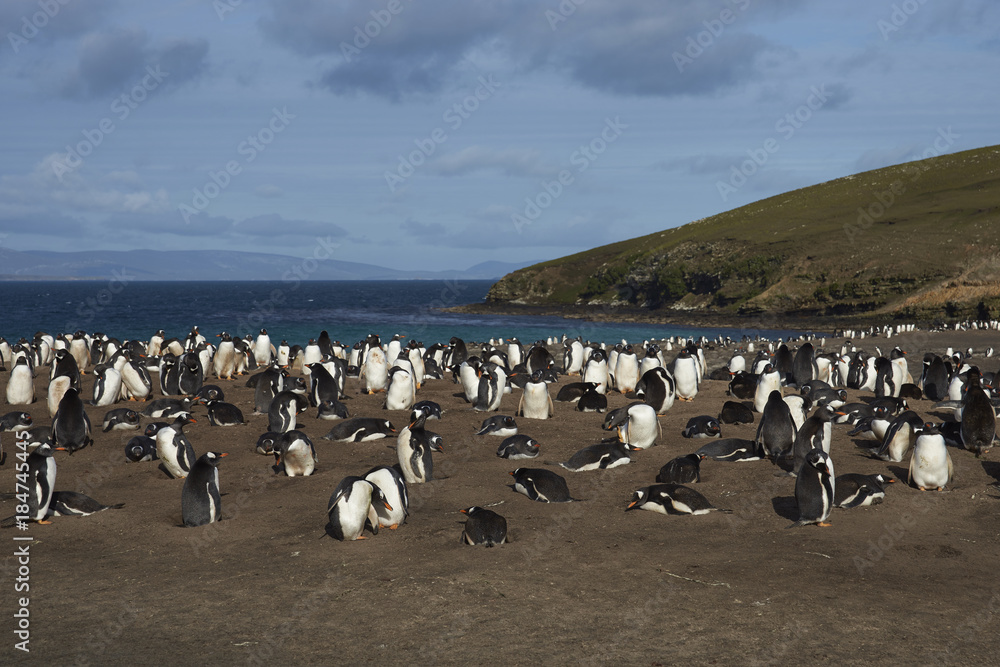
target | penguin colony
x=794, y=393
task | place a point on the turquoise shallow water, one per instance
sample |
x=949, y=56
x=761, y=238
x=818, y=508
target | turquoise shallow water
x=295, y=311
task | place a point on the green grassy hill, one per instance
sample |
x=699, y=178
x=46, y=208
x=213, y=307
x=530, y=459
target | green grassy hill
x=920, y=239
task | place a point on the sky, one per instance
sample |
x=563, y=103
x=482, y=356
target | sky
x=439, y=134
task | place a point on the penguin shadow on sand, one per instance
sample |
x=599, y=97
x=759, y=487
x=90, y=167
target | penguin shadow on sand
x=786, y=507
x=992, y=468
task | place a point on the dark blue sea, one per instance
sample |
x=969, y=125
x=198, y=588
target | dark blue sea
x=294, y=311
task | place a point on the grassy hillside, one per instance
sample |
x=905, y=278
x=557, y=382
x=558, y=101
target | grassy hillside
x=920, y=239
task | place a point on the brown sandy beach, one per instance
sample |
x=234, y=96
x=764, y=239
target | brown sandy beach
x=911, y=580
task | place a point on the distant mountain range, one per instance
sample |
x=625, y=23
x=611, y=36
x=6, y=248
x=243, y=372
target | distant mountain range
x=214, y=265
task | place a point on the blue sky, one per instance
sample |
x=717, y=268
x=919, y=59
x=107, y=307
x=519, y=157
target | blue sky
x=440, y=134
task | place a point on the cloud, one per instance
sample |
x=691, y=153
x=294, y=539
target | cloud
x=511, y=162
x=618, y=46
x=20, y=18
x=421, y=229
x=117, y=58
x=275, y=227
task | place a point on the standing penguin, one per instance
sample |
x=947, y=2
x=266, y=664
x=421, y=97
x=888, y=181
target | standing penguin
x=804, y=364
x=657, y=389
x=56, y=390
x=107, y=385
x=776, y=430
x=224, y=362
x=626, y=370
x=492, y=383
x=374, y=371
x=20, y=385
x=413, y=448
x=352, y=508
x=595, y=370
x=484, y=527
x=41, y=482
x=174, y=449
x=190, y=376
x=686, y=375
x=281, y=415
x=816, y=433
x=814, y=489
x=400, y=394
x=930, y=464
x=535, y=401
x=262, y=349
x=71, y=425
x=573, y=357
x=979, y=420
x=768, y=381
x=201, y=501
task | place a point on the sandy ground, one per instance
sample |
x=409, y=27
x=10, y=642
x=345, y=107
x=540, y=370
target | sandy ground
x=912, y=580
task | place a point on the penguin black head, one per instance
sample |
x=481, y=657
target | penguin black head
x=817, y=460
x=213, y=458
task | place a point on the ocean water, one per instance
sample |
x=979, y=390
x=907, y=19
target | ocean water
x=294, y=311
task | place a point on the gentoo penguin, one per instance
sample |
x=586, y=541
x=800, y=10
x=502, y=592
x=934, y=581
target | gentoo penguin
x=856, y=490
x=41, y=482
x=538, y=357
x=518, y=447
x=283, y=356
x=657, y=389
x=201, y=501
x=541, y=485
x=136, y=382
x=671, y=499
x=731, y=449
x=400, y=394
x=768, y=381
x=682, y=470
x=107, y=385
x=573, y=357
x=535, y=401
x=626, y=370
x=934, y=380
x=499, y=425
x=979, y=421
x=776, y=430
x=262, y=349
x=899, y=437
x=816, y=433
x=784, y=363
x=281, y=415
x=636, y=424
x=360, y=429
x=374, y=371
x=332, y=410
x=653, y=359
x=224, y=361
x=686, y=375
x=266, y=442
x=269, y=383
x=169, y=375
x=65, y=365
x=14, y=422
x=140, y=448
x=735, y=413
x=736, y=364
x=56, y=390
x=20, y=385
x=352, y=507
x=120, y=419
x=595, y=370
x=414, y=352
x=703, y=426
x=484, y=527
x=492, y=383
x=457, y=351
x=414, y=446
x=190, y=375
x=323, y=386
x=743, y=385
x=798, y=407
x=71, y=503
x=393, y=487
x=174, y=449
x=294, y=454
x=814, y=489
x=592, y=401
x=602, y=456
x=431, y=409
x=571, y=393
x=221, y=413
x=930, y=465
x=166, y=408
x=71, y=425
x=804, y=364
x=468, y=376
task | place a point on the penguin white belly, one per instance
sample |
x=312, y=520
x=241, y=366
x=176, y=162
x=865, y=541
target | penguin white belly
x=400, y=395
x=133, y=385
x=626, y=373
x=110, y=389
x=57, y=389
x=299, y=460
x=405, y=453
x=930, y=465
x=765, y=385
x=686, y=378
x=648, y=364
x=470, y=382
x=374, y=372
x=641, y=428
x=20, y=388
x=598, y=374
x=224, y=362
x=535, y=402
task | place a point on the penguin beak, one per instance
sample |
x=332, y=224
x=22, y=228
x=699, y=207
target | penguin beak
x=464, y=511
x=224, y=454
x=387, y=505
x=632, y=505
x=511, y=473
